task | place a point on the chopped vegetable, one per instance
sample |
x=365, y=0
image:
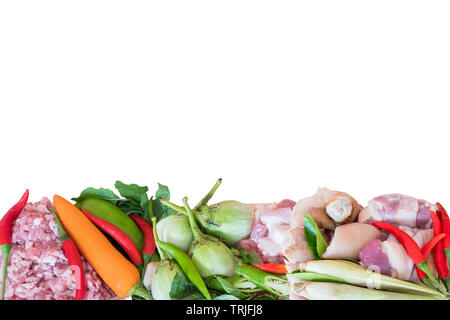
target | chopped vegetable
x=118, y=273
x=73, y=257
x=277, y=268
x=275, y=284
x=5, y=234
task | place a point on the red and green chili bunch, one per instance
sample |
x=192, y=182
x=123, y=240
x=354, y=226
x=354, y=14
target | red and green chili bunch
x=414, y=252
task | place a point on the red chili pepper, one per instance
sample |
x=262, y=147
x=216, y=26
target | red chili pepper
x=405, y=239
x=74, y=258
x=426, y=250
x=444, y=247
x=278, y=268
x=413, y=250
x=6, y=233
x=122, y=239
x=445, y=222
x=147, y=231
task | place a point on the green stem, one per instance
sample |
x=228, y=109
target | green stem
x=150, y=209
x=62, y=232
x=147, y=258
x=198, y=235
x=139, y=290
x=161, y=252
x=434, y=284
x=173, y=206
x=6, y=249
x=208, y=196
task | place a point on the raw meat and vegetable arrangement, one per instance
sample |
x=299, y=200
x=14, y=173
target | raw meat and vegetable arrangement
x=127, y=244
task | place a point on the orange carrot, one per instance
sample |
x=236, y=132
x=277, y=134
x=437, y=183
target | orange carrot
x=118, y=273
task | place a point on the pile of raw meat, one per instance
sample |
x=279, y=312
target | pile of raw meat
x=278, y=235
x=37, y=266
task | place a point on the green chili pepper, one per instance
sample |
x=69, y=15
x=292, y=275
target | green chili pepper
x=187, y=266
x=110, y=213
x=314, y=238
x=272, y=283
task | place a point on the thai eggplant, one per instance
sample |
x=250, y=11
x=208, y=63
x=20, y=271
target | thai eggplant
x=176, y=230
x=167, y=270
x=210, y=255
x=228, y=220
x=162, y=280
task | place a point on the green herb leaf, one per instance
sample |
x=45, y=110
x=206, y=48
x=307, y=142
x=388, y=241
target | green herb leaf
x=135, y=199
x=181, y=288
x=131, y=191
x=229, y=288
x=314, y=238
x=161, y=211
x=100, y=193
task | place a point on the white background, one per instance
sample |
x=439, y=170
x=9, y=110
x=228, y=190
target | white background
x=276, y=97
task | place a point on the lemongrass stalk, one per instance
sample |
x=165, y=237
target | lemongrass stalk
x=355, y=274
x=339, y=291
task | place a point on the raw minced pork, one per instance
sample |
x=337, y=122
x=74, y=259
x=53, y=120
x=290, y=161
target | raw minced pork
x=38, y=268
